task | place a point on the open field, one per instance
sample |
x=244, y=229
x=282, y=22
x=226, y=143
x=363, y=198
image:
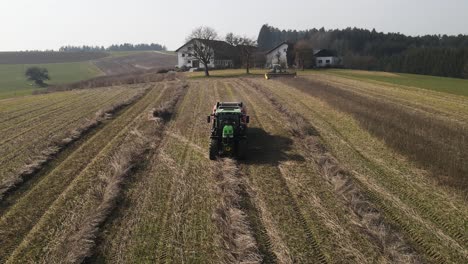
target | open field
x=125, y=62
x=323, y=181
x=44, y=57
x=35, y=127
x=70, y=67
x=435, y=83
x=13, y=82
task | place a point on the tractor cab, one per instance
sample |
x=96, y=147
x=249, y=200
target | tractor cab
x=229, y=128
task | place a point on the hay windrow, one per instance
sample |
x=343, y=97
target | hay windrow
x=57, y=145
x=108, y=189
x=237, y=241
x=370, y=219
x=81, y=244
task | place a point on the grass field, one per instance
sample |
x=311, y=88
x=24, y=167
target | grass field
x=434, y=83
x=322, y=183
x=13, y=83
x=71, y=67
x=46, y=57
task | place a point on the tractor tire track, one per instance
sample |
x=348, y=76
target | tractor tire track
x=248, y=202
x=330, y=169
x=13, y=231
x=444, y=213
x=414, y=234
x=176, y=211
x=317, y=255
x=29, y=180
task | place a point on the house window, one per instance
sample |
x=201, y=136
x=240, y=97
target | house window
x=189, y=48
x=183, y=55
x=319, y=61
x=328, y=61
x=189, y=61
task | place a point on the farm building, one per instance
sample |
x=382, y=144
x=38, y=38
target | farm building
x=224, y=54
x=326, y=58
x=316, y=58
x=277, y=55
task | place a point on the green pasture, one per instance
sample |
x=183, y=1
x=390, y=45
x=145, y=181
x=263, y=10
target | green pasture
x=435, y=83
x=13, y=82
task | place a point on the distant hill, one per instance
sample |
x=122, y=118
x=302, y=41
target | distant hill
x=136, y=61
x=43, y=57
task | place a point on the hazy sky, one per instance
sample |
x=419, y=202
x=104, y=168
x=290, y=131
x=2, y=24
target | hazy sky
x=49, y=24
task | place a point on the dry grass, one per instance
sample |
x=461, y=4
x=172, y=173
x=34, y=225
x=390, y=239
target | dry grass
x=32, y=167
x=237, y=240
x=108, y=189
x=437, y=144
x=371, y=221
x=164, y=111
x=114, y=80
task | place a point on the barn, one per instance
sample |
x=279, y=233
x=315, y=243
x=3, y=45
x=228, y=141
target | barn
x=277, y=55
x=325, y=58
x=224, y=54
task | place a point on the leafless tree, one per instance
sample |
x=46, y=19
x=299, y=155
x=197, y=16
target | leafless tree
x=232, y=39
x=246, y=47
x=304, y=54
x=200, y=38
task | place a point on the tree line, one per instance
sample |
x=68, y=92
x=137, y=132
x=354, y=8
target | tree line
x=440, y=55
x=114, y=47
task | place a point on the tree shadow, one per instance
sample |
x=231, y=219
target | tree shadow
x=264, y=148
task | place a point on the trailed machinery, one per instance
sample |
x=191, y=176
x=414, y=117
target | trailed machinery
x=278, y=71
x=229, y=130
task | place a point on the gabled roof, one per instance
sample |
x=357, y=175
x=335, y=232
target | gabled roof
x=277, y=46
x=324, y=53
x=222, y=49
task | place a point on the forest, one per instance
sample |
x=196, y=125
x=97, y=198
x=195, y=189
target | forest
x=439, y=55
x=115, y=47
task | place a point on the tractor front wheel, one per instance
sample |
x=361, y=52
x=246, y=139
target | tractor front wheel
x=213, y=149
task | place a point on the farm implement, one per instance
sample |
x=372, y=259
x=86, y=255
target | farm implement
x=229, y=130
x=278, y=71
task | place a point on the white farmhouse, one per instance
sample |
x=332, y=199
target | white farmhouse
x=277, y=55
x=325, y=58
x=224, y=54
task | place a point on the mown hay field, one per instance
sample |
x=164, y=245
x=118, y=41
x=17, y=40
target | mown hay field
x=435, y=83
x=322, y=183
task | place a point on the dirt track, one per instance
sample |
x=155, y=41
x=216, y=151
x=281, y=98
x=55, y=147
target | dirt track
x=317, y=187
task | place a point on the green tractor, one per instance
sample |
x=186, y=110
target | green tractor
x=229, y=130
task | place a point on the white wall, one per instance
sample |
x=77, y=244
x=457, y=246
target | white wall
x=272, y=59
x=322, y=61
x=184, y=61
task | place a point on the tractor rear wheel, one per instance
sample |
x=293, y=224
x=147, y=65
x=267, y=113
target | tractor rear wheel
x=213, y=149
x=242, y=149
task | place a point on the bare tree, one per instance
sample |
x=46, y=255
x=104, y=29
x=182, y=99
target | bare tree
x=232, y=39
x=304, y=54
x=246, y=47
x=200, y=38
